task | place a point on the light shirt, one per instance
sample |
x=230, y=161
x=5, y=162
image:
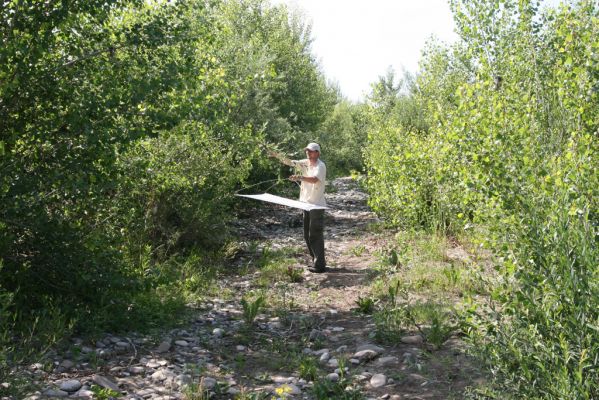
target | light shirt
x=312, y=193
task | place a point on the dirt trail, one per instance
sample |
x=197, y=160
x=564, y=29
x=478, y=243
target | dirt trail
x=305, y=344
x=411, y=369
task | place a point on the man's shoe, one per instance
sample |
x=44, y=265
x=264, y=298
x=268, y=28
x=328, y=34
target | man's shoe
x=317, y=270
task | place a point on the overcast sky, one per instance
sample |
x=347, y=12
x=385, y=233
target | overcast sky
x=356, y=41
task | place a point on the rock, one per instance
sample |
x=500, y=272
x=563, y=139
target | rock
x=182, y=343
x=67, y=364
x=209, y=383
x=162, y=375
x=324, y=357
x=365, y=355
x=84, y=394
x=72, y=385
x=333, y=363
x=55, y=393
x=240, y=347
x=412, y=339
x=105, y=382
x=164, y=346
x=341, y=349
x=233, y=391
x=378, y=380
x=315, y=335
x=137, y=369
x=218, y=333
x=333, y=377
x=387, y=361
x=368, y=346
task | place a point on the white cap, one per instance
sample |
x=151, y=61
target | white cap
x=313, y=147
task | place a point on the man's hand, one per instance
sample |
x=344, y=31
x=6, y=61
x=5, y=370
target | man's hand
x=295, y=178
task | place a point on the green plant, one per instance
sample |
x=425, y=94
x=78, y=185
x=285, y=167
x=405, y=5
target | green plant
x=251, y=308
x=358, y=250
x=325, y=389
x=294, y=274
x=365, y=305
x=102, y=393
x=308, y=368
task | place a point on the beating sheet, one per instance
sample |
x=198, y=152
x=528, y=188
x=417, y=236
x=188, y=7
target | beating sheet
x=270, y=198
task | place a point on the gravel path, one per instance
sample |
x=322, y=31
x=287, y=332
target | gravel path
x=308, y=341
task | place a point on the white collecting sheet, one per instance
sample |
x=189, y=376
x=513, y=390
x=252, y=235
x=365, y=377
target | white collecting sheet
x=270, y=198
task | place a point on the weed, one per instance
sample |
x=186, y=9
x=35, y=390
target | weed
x=358, y=250
x=325, y=389
x=308, y=369
x=294, y=274
x=365, y=305
x=251, y=308
x=101, y=393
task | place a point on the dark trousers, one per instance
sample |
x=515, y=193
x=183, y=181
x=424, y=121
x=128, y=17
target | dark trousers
x=314, y=236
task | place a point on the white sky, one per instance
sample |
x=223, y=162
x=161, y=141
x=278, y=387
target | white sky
x=356, y=41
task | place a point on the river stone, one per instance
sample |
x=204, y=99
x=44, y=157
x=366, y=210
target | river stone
x=387, y=361
x=412, y=339
x=137, y=369
x=209, y=382
x=164, y=346
x=378, y=380
x=72, y=385
x=365, y=355
x=182, y=343
x=333, y=377
x=218, y=332
x=55, y=393
x=324, y=357
x=368, y=346
x=105, y=382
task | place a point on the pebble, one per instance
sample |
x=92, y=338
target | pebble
x=71, y=385
x=378, y=380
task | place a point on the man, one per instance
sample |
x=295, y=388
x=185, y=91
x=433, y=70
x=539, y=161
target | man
x=312, y=180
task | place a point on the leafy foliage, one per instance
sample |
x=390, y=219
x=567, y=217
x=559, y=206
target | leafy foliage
x=125, y=127
x=508, y=148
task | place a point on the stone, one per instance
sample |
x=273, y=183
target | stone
x=182, y=343
x=164, y=346
x=365, y=355
x=218, y=332
x=378, y=380
x=105, y=382
x=209, y=383
x=72, y=385
x=55, y=393
x=137, y=369
x=67, y=364
x=387, y=361
x=412, y=339
x=333, y=377
x=368, y=346
x=324, y=357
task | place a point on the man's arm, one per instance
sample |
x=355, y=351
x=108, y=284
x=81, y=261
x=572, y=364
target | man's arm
x=309, y=179
x=280, y=157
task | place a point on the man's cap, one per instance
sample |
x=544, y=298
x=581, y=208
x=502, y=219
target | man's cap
x=313, y=147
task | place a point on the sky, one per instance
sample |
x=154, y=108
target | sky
x=356, y=41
